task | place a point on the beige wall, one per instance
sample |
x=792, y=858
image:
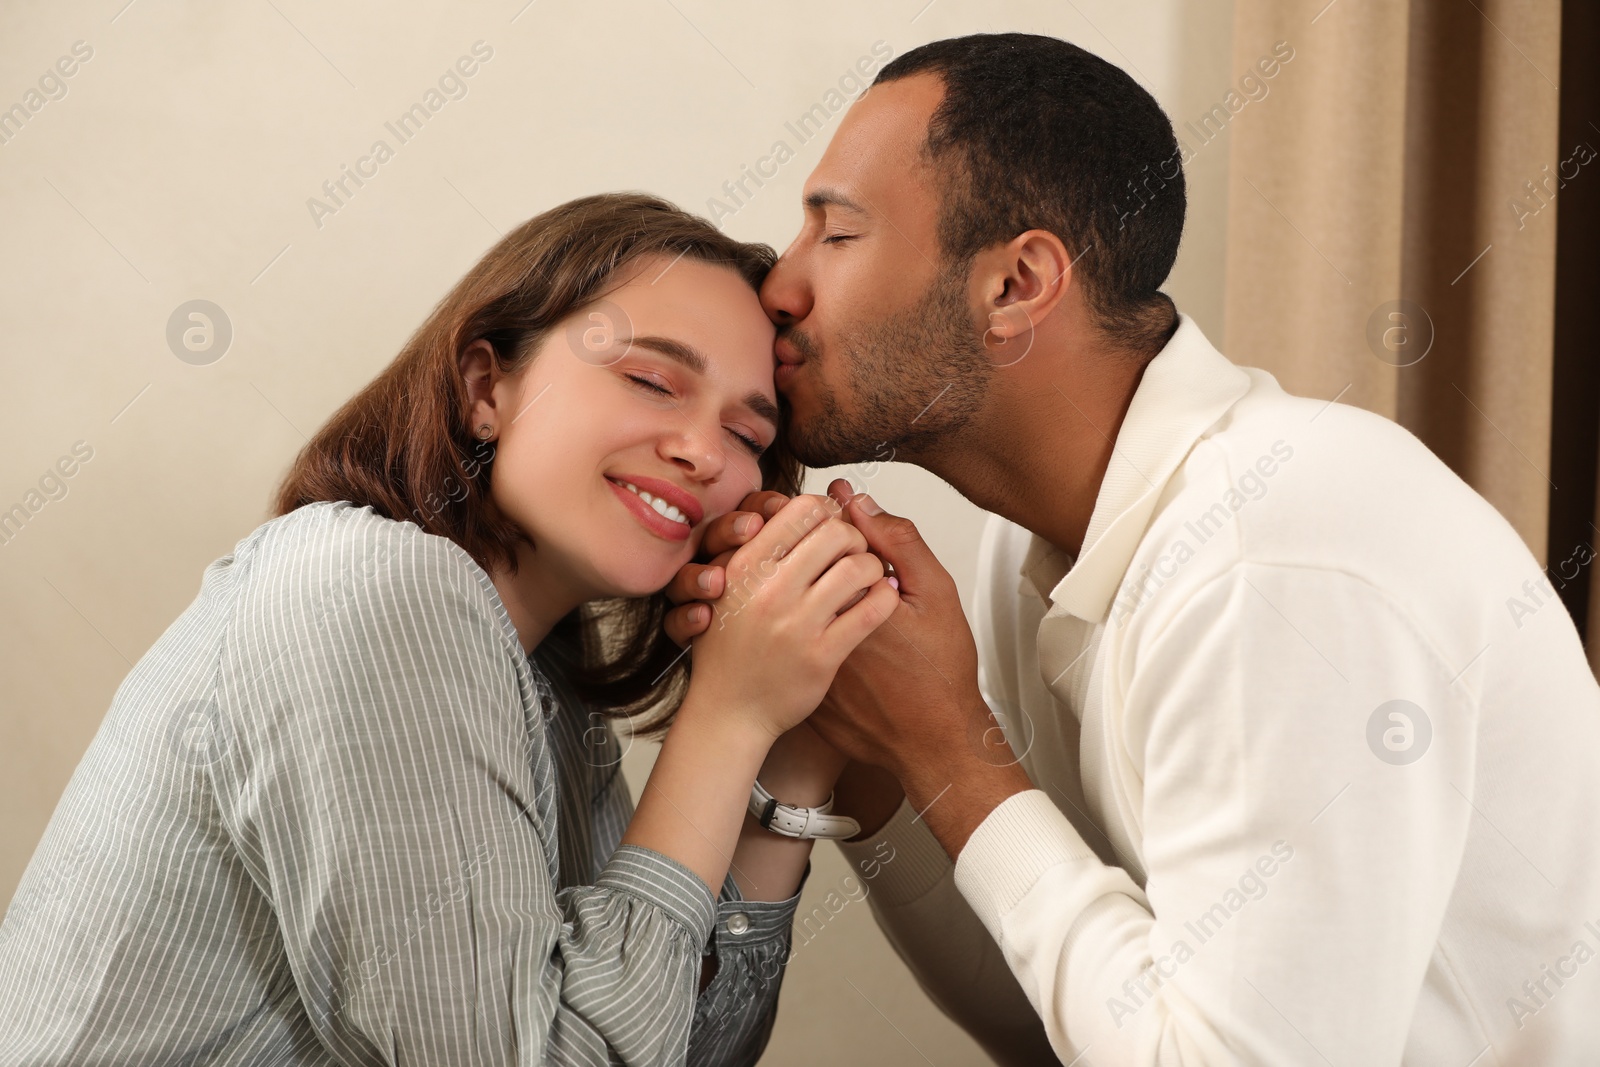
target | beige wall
x=178, y=165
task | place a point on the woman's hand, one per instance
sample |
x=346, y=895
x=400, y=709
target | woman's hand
x=703, y=581
x=782, y=625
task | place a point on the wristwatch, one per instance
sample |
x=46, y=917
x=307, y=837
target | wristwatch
x=806, y=823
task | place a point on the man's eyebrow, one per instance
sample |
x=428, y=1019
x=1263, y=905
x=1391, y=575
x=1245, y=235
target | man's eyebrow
x=690, y=357
x=825, y=197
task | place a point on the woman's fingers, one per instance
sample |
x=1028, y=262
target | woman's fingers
x=724, y=534
x=846, y=582
x=789, y=527
x=820, y=551
x=854, y=626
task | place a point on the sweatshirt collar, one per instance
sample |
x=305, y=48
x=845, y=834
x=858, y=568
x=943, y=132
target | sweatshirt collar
x=1184, y=390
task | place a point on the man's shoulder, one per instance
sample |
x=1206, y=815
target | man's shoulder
x=1300, y=482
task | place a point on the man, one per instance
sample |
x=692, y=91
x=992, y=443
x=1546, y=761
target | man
x=1285, y=775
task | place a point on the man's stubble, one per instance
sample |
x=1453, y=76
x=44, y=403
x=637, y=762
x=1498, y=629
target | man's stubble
x=915, y=381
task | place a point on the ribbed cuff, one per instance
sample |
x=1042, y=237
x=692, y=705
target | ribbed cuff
x=902, y=861
x=664, y=882
x=1020, y=839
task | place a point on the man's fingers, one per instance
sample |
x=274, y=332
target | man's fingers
x=727, y=532
x=841, y=491
x=686, y=622
x=896, y=540
x=764, y=502
x=696, y=581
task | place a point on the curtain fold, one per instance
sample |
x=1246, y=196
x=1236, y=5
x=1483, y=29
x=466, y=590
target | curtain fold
x=1392, y=230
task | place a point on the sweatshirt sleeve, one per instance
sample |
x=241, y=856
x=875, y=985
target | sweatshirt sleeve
x=1296, y=879
x=911, y=881
x=393, y=797
x=912, y=892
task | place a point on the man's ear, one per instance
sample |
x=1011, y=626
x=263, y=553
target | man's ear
x=1019, y=285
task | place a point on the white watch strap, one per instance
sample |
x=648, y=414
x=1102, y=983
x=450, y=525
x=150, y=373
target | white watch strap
x=806, y=823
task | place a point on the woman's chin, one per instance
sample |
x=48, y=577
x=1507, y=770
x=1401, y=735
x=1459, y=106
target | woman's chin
x=638, y=585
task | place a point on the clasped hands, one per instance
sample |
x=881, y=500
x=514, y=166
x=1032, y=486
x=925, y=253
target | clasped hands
x=904, y=710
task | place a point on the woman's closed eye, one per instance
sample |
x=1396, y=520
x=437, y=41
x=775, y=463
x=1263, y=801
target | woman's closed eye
x=648, y=384
x=755, y=447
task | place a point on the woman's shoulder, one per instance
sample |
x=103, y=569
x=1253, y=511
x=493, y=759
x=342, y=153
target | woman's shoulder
x=332, y=562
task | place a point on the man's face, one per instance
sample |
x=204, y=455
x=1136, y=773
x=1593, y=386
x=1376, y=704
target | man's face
x=876, y=337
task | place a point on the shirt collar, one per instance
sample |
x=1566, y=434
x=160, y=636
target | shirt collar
x=1184, y=390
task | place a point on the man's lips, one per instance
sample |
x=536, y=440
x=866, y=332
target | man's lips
x=787, y=353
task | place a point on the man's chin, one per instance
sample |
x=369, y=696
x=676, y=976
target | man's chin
x=815, y=455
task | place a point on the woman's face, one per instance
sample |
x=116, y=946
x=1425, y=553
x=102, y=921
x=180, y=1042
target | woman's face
x=614, y=398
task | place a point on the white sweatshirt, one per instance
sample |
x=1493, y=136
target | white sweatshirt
x=1317, y=754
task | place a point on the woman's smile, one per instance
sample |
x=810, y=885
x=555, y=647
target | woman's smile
x=654, y=514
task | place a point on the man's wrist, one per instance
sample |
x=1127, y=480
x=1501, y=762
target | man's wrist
x=801, y=769
x=869, y=795
x=794, y=787
x=954, y=798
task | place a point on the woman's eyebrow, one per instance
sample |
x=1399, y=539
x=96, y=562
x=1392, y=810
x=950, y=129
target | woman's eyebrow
x=691, y=357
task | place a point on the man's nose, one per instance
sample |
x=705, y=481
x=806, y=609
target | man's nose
x=786, y=294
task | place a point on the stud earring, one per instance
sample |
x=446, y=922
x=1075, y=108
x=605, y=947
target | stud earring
x=484, y=431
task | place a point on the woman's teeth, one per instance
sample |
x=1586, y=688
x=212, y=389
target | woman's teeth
x=661, y=506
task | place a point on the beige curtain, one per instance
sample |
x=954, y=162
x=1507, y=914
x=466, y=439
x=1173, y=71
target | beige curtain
x=1393, y=195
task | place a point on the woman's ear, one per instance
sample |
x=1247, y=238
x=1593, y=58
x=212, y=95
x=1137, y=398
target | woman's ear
x=1020, y=283
x=480, y=372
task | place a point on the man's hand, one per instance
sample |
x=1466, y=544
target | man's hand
x=696, y=582
x=907, y=698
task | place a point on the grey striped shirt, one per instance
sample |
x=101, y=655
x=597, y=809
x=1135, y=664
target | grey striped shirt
x=335, y=814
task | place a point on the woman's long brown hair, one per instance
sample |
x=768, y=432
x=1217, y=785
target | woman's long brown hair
x=403, y=445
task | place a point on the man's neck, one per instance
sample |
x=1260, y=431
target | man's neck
x=1038, y=451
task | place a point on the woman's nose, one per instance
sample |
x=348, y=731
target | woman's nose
x=692, y=448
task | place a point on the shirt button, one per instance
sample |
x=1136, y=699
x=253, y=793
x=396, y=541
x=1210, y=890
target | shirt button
x=738, y=923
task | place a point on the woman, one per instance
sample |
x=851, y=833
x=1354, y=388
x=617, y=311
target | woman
x=360, y=803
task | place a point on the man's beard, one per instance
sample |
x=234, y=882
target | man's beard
x=914, y=380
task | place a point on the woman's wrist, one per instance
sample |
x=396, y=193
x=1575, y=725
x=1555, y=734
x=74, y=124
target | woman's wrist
x=721, y=720
x=693, y=807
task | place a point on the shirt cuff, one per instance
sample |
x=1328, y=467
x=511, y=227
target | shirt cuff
x=663, y=882
x=742, y=924
x=909, y=859
x=1024, y=836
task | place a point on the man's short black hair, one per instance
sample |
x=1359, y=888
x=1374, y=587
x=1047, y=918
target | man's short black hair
x=1036, y=133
